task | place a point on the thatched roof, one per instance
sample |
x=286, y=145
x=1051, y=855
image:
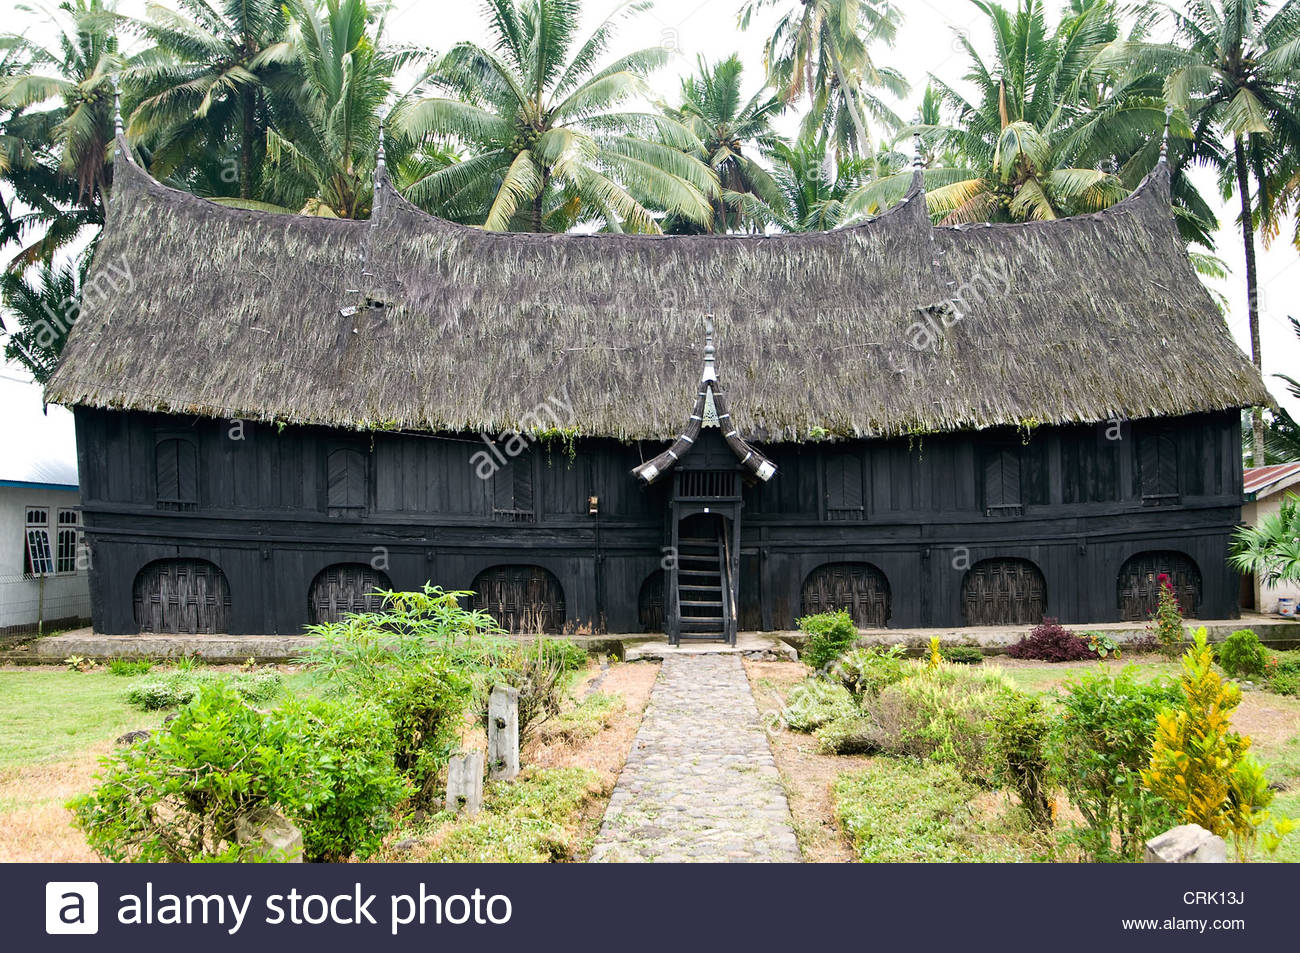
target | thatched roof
x=248, y=314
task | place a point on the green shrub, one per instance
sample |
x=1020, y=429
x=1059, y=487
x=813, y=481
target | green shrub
x=352, y=777
x=900, y=811
x=259, y=687
x=1284, y=680
x=539, y=674
x=421, y=657
x=426, y=704
x=1102, y=644
x=940, y=715
x=129, y=667
x=174, y=689
x=1099, y=745
x=1017, y=748
x=830, y=634
x=962, y=655
x=169, y=690
x=865, y=672
x=177, y=795
x=1241, y=655
x=850, y=734
x=565, y=653
x=815, y=702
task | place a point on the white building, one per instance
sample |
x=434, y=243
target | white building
x=1265, y=488
x=43, y=567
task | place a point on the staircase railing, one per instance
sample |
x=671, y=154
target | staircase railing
x=728, y=586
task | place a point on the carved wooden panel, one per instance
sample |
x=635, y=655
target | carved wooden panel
x=1004, y=592
x=182, y=596
x=343, y=589
x=860, y=588
x=521, y=598
x=650, y=603
x=1139, y=584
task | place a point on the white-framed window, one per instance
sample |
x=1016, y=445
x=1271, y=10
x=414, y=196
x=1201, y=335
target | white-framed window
x=38, y=559
x=68, y=542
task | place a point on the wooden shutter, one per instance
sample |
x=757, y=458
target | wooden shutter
x=844, y=490
x=177, y=468
x=345, y=479
x=1002, y=480
x=1158, y=464
x=512, y=490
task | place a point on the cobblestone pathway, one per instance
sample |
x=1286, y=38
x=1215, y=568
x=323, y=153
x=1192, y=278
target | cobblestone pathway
x=700, y=783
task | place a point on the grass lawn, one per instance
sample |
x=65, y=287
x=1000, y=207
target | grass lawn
x=52, y=714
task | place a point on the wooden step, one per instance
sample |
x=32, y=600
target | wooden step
x=701, y=604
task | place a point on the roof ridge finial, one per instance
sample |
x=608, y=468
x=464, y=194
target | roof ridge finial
x=710, y=372
x=1164, y=143
x=381, y=163
x=117, y=115
x=918, y=158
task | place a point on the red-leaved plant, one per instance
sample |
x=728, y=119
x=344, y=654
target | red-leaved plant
x=1052, y=642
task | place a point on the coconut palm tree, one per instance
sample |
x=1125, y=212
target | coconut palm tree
x=203, y=82
x=816, y=184
x=30, y=298
x=731, y=131
x=1234, y=67
x=320, y=151
x=61, y=105
x=1031, y=121
x=821, y=49
x=550, y=141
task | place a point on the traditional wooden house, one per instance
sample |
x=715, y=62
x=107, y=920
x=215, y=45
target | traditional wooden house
x=929, y=426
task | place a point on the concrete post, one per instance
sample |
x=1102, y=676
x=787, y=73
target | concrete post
x=503, y=733
x=465, y=783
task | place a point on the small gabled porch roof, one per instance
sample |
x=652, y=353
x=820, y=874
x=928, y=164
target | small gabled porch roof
x=710, y=410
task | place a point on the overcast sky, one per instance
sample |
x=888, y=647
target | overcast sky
x=709, y=27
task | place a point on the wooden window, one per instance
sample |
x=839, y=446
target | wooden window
x=1158, y=469
x=860, y=589
x=1002, y=482
x=181, y=596
x=37, y=557
x=845, y=497
x=176, y=461
x=347, y=588
x=345, y=482
x=512, y=491
x=68, y=542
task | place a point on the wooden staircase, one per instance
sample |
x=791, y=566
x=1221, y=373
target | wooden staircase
x=704, y=601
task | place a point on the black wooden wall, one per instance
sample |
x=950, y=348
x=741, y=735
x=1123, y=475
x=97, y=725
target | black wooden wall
x=272, y=508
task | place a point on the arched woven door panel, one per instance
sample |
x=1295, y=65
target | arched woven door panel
x=650, y=603
x=345, y=588
x=859, y=588
x=1003, y=592
x=525, y=599
x=1139, y=584
x=181, y=597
